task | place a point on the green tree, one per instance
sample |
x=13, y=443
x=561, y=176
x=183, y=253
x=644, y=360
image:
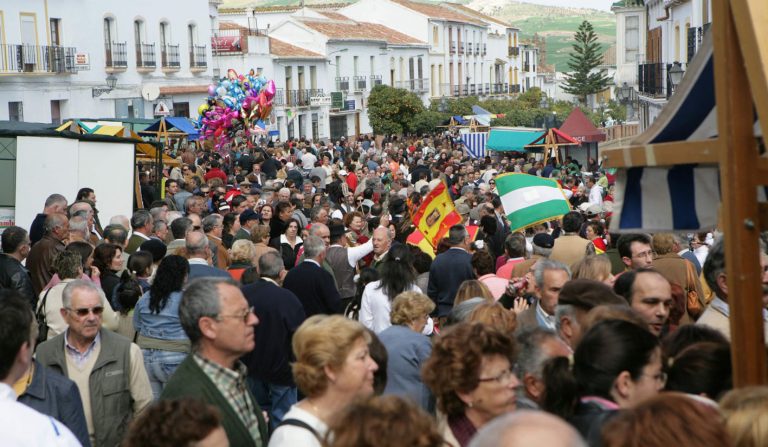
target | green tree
x=584, y=59
x=391, y=110
x=426, y=121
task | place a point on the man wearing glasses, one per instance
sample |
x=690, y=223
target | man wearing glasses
x=107, y=368
x=219, y=323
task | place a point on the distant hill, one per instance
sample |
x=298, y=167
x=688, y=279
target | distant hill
x=555, y=24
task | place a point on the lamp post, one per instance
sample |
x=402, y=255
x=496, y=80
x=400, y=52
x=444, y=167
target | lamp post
x=675, y=75
x=626, y=96
x=111, y=82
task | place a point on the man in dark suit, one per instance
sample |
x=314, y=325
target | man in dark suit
x=314, y=286
x=142, y=223
x=200, y=257
x=280, y=313
x=449, y=269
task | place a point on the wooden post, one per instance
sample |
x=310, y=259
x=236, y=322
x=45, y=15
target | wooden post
x=738, y=178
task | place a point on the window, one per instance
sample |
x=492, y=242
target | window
x=56, y=112
x=435, y=35
x=138, y=32
x=165, y=31
x=338, y=66
x=108, y=31
x=15, y=111
x=373, y=65
x=631, y=38
x=313, y=77
x=354, y=65
x=55, y=32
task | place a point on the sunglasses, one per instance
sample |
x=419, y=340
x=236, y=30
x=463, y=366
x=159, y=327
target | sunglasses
x=82, y=312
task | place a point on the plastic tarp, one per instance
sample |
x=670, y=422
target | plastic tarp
x=179, y=123
x=459, y=119
x=511, y=139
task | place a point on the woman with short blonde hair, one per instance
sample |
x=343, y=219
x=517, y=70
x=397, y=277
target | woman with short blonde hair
x=473, y=288
x=240, y=256
x=333, y=367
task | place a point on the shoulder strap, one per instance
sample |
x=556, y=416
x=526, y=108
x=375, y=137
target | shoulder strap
x=300, y=424
x=41, y=308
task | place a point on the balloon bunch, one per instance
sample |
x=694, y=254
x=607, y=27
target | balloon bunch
x=234, y=106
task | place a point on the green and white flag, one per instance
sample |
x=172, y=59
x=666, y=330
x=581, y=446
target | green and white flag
x=529, y=199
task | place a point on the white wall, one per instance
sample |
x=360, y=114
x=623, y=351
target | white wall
x=82, y=27
x=62, y=165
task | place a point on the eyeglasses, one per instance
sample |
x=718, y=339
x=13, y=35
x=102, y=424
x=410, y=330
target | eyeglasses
x=660, y=377
x=645, y=254
x=502, y=378
x=242, y=315
x=82, y=312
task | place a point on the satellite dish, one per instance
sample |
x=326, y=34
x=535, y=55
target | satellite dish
x=150, y=92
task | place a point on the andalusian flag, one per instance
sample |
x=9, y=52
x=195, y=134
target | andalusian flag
x=529, y=199
x=436, y=215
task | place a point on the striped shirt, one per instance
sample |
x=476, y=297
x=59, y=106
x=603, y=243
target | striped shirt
x=231, y=384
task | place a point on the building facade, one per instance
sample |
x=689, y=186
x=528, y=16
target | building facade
x=61, y=57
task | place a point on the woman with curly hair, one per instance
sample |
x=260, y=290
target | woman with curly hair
x=333, y=367
x=108, y=258
x=470, y=372
x=383, y=421
x=156, y=319
x=182, y=422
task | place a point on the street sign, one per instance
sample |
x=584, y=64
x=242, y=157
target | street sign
x=349, y=105
x=318, y=101
x=161, y=109
x=337, y=100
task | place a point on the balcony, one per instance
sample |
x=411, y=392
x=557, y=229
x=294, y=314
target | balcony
x=233, y=40
x=453, y=47
x=279, y=98
x=485, y=49
x=146, y=60
x=514, y=89
x=469, y=48
x=513, y=51
x=116, y=56
x=420, y=85
x=471, y=88
x=342, y=84
x=198, y=58
x=169, y=56
x=360, y=83
x=301, y=98
x=652, y=79
x=498, y=88
x=461, y=47
x=486, y=89
x=37, y=59
x=375, y=80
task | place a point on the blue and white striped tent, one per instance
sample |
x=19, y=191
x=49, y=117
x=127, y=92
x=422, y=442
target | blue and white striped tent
x=475, y=143
x=680, y=197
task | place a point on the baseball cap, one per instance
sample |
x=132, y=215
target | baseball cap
x=248, y=215
x=543, y=240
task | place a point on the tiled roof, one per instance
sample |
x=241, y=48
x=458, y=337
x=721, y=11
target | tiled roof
x=609, y=57
x=477, y=14
x=230, y=25
x=283, y=49
x=350, y=30
x=439, y=12
x=334, y=15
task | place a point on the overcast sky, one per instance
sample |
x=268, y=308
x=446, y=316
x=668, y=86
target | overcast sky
x=597, y=4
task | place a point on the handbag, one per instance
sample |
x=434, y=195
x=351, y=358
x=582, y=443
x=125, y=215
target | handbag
x=693, y=300
x=42, y=322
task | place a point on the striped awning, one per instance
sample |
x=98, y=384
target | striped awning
x=680, y=197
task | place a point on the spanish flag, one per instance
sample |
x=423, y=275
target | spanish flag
x=417, y=239
x=436, y=214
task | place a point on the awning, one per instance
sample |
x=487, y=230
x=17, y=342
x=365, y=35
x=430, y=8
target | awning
x=499, y=62
x=176, y=122
x=561, y=138
x=581, y=128
x=511, y=139
x=680, y=197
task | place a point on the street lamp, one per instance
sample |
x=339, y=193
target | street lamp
x=111, y=82
x=442, y=106
x=626, y=94
x=675, y=74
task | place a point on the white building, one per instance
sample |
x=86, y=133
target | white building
x=667, y=42
x=459, y=60
x=59, y=54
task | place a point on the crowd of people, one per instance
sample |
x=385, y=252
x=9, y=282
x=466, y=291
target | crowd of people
x=267, y=296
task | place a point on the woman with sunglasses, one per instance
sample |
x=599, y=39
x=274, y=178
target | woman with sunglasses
x=156, y=319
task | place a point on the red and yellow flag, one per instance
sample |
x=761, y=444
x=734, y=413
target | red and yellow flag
x=436, y=215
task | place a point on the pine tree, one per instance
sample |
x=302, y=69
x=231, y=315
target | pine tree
x=581, y=81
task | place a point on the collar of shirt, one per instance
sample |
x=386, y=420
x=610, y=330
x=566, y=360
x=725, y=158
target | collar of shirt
x=457, y=248
x=141, y=235
x=515, y=260
x=313, y=262
x=6, y=392
x=75, y=353
x=270, y=280
x=724, y=308
x=544, y=317
x=226, y=376
x=198, y=261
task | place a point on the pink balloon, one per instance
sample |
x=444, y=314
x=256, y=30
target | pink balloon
x=269, y=89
